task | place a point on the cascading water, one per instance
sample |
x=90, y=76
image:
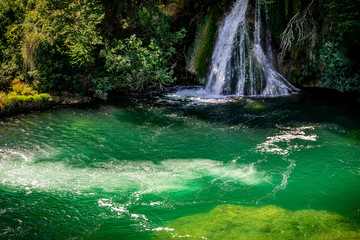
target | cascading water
x=240, y=67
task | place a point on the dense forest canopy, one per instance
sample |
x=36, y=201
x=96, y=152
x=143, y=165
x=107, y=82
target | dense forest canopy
x=94, y=46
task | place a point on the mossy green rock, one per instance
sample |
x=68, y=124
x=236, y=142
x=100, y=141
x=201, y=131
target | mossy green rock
x=198, y=57
x=269, y=222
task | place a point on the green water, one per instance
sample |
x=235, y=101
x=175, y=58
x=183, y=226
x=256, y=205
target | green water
x=125, y=169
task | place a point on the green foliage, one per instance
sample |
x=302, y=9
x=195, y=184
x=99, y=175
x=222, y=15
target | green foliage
x=322, y=39
x=142, y=62
x=65, y=45
x=102, y=86
x=71, y=29
x=79, y=29
x=344, y=15
x=9, y=68
x=135, y=64
x=20, y=88
x=59, y=39
x=3, y=99
x=336, y=71
x=11, y=14
x=35, y=29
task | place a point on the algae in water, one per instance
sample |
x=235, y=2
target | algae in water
x=269, y=222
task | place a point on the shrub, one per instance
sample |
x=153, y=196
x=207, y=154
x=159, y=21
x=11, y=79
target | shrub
x=3, y=99
x=22, y=88
x=141, y=61
x=336, y=70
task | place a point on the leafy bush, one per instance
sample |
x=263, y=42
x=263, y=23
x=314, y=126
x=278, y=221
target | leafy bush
x=344, y=16
x=58, y=43
x=336, y=70
x=3, y=98
x=141, y=62
x=137, y=65
x=21, y=88
x=8, y=70
x=79, y=31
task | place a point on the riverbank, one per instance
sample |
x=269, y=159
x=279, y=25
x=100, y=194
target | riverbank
x=69, y=99
x=51, y=101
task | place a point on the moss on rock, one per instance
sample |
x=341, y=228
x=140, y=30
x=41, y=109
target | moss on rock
x=174, y=7
x=198, y=57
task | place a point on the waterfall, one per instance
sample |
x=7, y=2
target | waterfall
x=240, y=66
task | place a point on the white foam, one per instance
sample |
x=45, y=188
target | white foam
x=141, y=177
x=286, y=136
x=199, y=96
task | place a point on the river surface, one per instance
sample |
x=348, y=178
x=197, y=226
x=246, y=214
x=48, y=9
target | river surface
x=125, y=169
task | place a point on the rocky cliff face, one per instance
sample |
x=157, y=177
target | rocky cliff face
x=201, y=20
